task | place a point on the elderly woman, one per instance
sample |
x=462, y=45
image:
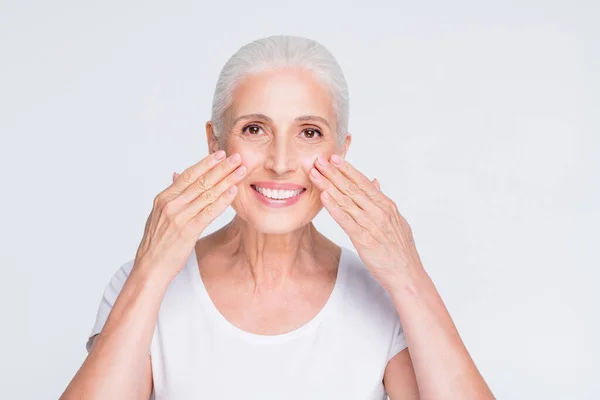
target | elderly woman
x=267, y=307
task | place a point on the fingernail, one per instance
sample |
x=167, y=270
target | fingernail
x=219, y=154
x=321, y=161
x=337, y=160
x=235, y=158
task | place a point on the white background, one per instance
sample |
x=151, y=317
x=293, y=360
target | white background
x=480, y=121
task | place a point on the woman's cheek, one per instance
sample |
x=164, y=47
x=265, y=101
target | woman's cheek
x=251, y=159
x=308, y=162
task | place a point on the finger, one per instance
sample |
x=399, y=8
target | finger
x=341, y=200
x=214, y=209
x=206, y=198
x=345, y=220
x=345, y=185
x=192, y=173
x=364, y=184
x=376, y=182
x=175, y=175
x=208, y=180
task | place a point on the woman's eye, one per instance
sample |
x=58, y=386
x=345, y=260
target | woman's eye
x=252, y=129
x=310, y=133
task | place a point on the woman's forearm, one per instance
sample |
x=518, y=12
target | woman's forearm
x=115, y=367
x=443, y=367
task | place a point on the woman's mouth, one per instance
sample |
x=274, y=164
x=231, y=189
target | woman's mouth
x=277, y=197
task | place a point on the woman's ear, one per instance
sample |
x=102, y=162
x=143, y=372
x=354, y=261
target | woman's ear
x=213, y=142
x=346, y=144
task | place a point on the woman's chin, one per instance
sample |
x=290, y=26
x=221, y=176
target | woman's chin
x=276, y=224
x=276, y=221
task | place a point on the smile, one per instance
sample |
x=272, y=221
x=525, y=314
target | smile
x=277, y=197
x=279, y=194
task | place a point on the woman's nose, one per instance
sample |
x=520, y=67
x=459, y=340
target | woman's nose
x=281, y=157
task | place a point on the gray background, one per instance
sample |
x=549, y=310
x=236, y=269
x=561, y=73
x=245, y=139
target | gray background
x=480, y=121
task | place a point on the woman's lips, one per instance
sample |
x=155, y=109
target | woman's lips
x=277, y=203
x=278, y=185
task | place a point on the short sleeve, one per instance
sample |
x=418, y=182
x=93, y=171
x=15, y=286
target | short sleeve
x=398, y=340
x=111, y=292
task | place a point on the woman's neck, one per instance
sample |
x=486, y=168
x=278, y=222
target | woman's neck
x=271, y=258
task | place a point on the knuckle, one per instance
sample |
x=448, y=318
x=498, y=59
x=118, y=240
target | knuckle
x=187, y=177
x=212, y=195
x=202, y=183
x=168, y=209
x=157, y=203
x=352, y=188
x=210, y=210
x=161, y=200
x=387, y=205
x=364, y=183
x=179, y=223
x=208, y=196
x=345, y=201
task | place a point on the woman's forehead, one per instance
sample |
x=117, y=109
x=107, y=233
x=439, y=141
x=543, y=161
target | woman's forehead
x=286, y=95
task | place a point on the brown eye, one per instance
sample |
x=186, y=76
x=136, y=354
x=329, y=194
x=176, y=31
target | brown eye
x=310, y=133
x=252, y=129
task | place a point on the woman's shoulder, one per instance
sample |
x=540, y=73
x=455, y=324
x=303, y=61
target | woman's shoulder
x=369, y=307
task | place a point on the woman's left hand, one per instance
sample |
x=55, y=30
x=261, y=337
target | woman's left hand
x=381, y=236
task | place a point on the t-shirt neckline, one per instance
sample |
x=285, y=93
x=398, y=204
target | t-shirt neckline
x=255, y=338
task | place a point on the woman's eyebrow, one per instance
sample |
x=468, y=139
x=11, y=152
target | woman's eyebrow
x=265, y=118
x=312, y=118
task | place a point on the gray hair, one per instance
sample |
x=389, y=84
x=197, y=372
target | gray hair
x=275, y=52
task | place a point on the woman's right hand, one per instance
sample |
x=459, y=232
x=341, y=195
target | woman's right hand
x=183, y=210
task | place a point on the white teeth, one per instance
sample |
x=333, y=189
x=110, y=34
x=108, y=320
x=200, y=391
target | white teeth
x=277, y=194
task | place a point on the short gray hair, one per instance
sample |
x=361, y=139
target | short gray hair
x=281, y=51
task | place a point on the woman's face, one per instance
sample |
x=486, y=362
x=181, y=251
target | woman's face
x=279, y=122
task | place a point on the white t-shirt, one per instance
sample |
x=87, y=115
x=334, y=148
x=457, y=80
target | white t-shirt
x=341, y=353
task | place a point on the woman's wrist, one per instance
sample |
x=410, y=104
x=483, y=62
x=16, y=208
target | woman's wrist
x=411, y=282
x=150, y=277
